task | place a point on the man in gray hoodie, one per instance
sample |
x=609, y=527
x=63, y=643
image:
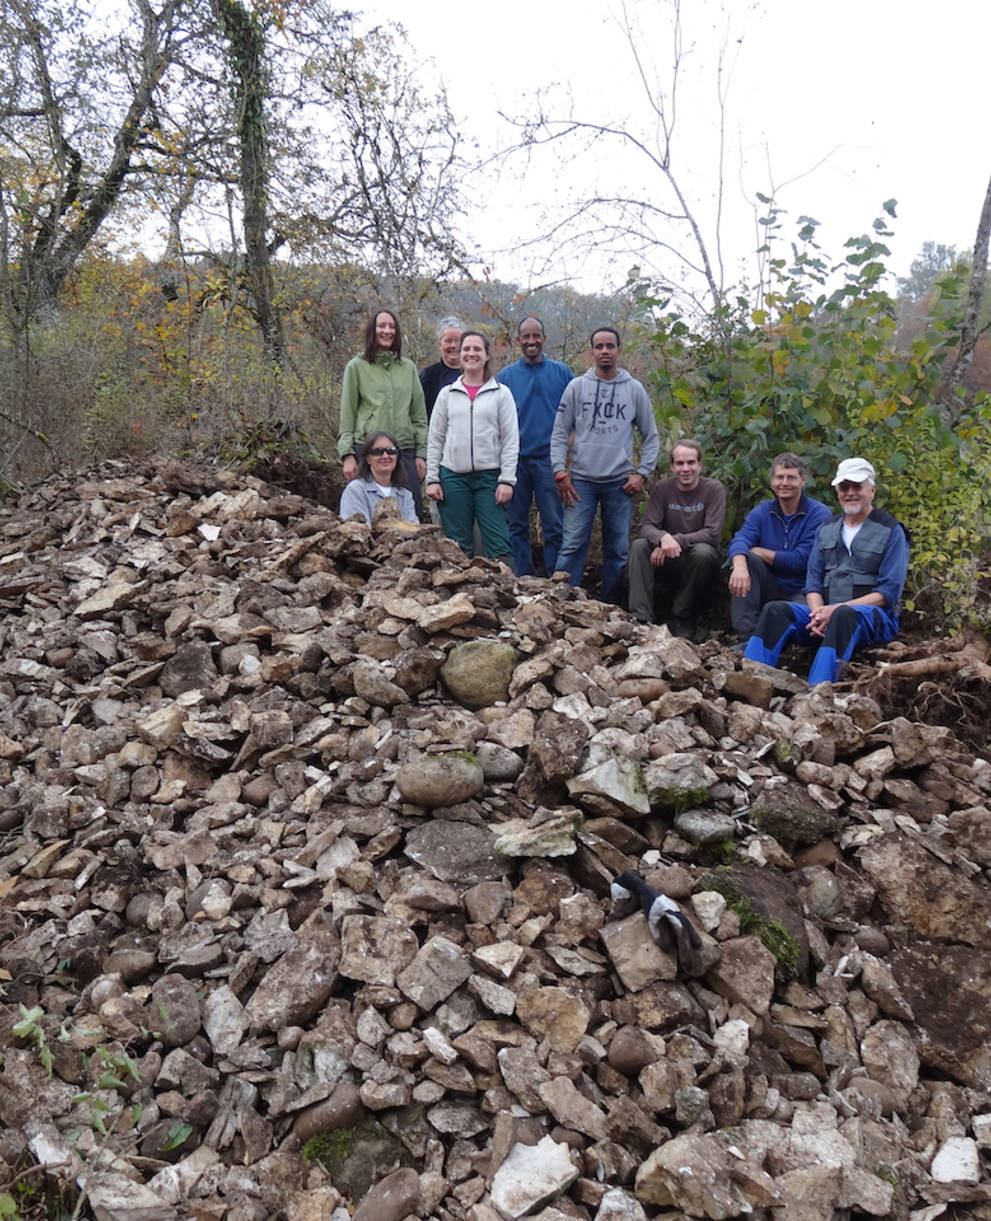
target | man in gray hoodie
x=598, y=415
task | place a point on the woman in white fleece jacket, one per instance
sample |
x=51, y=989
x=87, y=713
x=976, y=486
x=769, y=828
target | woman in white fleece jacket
x=472, y=448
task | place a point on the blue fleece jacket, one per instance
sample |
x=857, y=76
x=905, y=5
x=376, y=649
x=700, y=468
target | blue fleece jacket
x=790, y=538
x=537, y=389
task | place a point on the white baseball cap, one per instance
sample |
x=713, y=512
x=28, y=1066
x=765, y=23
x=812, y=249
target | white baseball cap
x=856, y=470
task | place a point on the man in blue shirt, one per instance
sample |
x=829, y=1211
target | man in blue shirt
x=770, y=551
x=537, y=384
x=855, y=578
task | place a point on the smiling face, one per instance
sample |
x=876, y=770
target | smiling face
x=686, y=466
x=450, y=346
x=473, y=358
x=531, y=340
x=605, y=353
x=856, y=500
x=381, y=463
x=385, y=331
x=787, y=483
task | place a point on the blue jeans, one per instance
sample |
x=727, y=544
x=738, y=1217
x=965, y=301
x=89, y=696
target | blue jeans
x=534, y=480
x=617, y=517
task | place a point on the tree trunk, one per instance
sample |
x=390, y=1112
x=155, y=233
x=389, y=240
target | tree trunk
x=246, y=42
x=73, y=218
x=954, y=375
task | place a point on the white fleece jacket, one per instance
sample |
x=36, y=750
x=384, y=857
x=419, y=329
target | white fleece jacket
x=480, y=436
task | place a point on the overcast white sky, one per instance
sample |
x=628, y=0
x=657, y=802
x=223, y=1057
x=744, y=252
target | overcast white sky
x=886, y=97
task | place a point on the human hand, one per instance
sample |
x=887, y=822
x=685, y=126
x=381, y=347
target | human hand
x=350, y=467
x=503, y=493
x=819, y=619
x=670, y=546
x=739, y=579
x=421, y=468
x=435, y=491
x=566, y=490
x=634, y=483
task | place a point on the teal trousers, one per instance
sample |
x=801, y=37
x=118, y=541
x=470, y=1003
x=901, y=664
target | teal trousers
x=470, y=498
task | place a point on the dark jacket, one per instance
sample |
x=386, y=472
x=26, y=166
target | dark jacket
x=876, y=563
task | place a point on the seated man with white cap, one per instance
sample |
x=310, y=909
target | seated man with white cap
x=854, y=581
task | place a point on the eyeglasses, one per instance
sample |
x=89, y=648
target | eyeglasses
x=379, y=450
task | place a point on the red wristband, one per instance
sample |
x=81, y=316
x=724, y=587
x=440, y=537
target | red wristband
x=559, y=475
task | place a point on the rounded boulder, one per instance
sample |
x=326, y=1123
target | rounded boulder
x=477, y=673
x=440, y=780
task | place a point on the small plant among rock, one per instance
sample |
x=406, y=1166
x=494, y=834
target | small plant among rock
x=30, y=1028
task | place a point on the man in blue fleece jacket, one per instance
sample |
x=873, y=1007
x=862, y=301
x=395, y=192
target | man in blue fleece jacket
x=596, y=421
x=854, y=582
x=537, y=384
x=770, y=551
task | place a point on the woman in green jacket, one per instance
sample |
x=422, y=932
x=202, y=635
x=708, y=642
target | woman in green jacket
x=381, y=392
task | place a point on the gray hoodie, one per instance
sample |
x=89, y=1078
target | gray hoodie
x=602, y=415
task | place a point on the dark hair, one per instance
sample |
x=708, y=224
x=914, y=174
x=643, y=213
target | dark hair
x=371, y=343
x=689, y=444
x=398, y=479
x=526, y=318
x=791, y=461
x=487, y=370
x=612, y=331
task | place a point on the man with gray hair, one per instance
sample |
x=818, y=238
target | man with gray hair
x=435, y=377
x=856, y=574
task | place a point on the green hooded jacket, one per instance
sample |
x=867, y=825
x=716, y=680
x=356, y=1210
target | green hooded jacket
x=386, y=395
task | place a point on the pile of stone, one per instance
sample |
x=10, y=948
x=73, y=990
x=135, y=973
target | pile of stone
x=307, y=830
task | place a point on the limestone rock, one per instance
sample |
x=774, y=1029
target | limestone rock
x=440, y=780
x=786, y=811
x=679, y=781
x=745, y=974
x=439, y=967
x=695, y=1174
x=618, y=781
x=532, y=1175
x=636, y=958
x=392, y=1198
x=553, y=1014
x=956, y=1161
x=478, y=672
x=545, y=834
x=925, y=893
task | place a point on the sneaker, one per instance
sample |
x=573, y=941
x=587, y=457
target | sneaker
x=683, y=628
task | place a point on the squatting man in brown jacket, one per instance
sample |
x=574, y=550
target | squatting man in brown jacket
x=677, y=544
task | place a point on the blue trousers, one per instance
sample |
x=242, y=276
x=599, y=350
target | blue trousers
x=617, y=517
x=849, y=628
x=534, y=481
